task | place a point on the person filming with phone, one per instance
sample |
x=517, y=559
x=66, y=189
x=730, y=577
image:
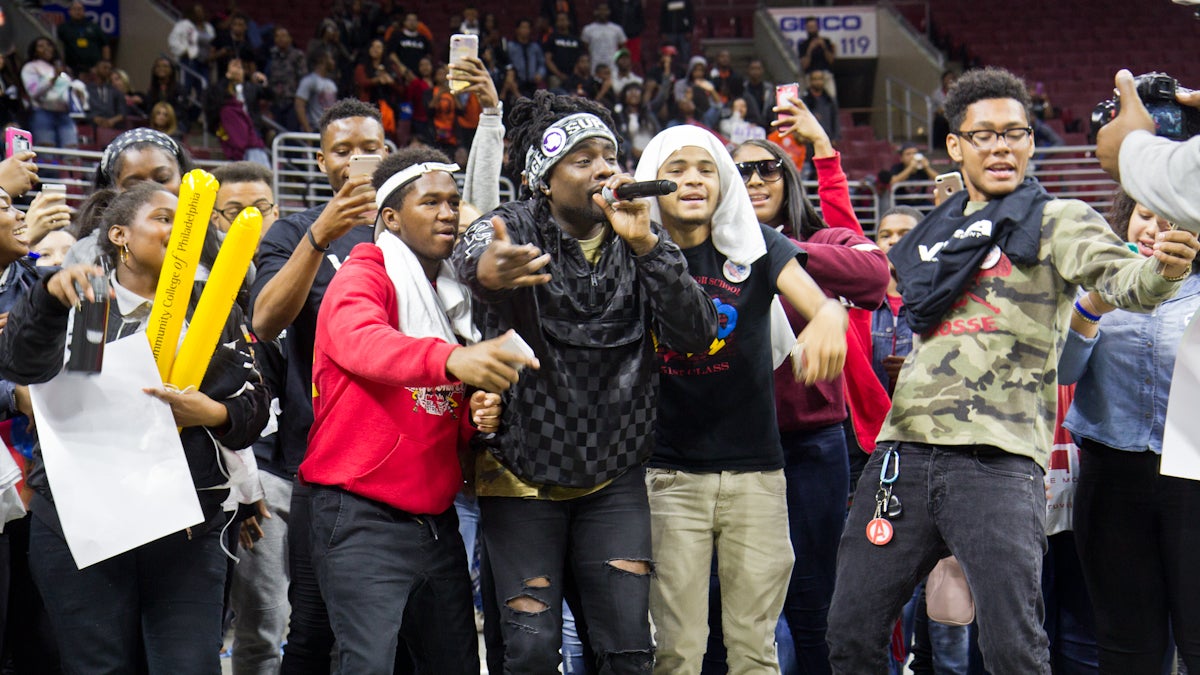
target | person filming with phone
x=913, y=166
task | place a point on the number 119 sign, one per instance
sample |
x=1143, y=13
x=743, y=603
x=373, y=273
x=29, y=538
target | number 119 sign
x=851, y=29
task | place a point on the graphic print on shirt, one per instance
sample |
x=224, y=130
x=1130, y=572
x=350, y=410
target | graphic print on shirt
x=996, y=264
x=722, y=348
x=439, y=400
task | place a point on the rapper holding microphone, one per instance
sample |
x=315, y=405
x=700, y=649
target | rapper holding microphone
x=590, y=285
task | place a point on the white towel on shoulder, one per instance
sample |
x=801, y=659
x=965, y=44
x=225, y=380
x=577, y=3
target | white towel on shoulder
x=424, y=312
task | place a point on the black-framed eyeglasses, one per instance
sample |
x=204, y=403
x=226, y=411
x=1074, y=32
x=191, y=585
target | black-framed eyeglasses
x=770, y=170
x=986, y=139
x=232, y=211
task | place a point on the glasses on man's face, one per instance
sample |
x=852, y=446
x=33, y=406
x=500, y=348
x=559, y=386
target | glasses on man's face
x=986, y=139
x=769, y=170
x=230, y=212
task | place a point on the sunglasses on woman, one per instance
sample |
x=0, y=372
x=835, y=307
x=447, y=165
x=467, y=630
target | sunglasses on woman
x=770, y=170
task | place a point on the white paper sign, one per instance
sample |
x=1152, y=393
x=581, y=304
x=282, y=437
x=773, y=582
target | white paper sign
x=113, y=455
x=1181, y=437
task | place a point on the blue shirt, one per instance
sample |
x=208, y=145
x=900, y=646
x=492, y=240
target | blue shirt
x=1124, y=373
x=890, y=335
x=528, y=61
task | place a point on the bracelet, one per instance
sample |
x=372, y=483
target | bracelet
x=313, y=240
x=1186, y=273
x=1086, y=315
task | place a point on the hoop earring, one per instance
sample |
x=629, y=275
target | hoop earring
x=124, y=253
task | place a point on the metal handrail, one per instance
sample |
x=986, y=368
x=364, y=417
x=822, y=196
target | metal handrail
x=1088, y=183
x=906, y=110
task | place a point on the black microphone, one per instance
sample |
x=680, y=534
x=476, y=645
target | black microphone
x=649, y=188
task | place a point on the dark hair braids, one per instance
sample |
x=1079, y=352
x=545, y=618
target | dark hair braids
x=982, y=84
x=530, y=118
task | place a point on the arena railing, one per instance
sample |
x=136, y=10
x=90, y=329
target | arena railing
x=1069, y=172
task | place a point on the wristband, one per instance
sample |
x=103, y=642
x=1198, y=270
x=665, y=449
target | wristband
x=313, y=240
x=1087, y=316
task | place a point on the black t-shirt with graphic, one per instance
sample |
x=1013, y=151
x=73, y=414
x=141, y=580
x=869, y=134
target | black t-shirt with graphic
x=716, y=410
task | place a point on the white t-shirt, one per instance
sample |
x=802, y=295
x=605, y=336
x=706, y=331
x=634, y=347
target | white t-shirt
x=318, y=93
x=603, y=41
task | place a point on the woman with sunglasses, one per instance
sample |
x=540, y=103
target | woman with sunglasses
x=847, y=265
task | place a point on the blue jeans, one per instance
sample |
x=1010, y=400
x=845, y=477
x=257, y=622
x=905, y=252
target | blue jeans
x=53, y=129
x=534, y=539
x=160, y=602
x=385, y=572
x=937, y=649
x=985, y=506
x=818, y=478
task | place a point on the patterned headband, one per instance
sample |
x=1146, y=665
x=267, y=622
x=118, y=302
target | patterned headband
x=108, y=161
x=558, y=140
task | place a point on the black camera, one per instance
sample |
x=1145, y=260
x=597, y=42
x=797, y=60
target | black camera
x=1157, y=91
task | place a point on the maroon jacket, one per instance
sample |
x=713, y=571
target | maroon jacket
x=845, y=264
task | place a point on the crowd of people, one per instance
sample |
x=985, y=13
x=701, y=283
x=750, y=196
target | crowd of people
x=613, y=435
x=246, y=81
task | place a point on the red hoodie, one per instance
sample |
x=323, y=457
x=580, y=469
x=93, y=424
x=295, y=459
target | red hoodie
x=843, y=263
x=387, y=419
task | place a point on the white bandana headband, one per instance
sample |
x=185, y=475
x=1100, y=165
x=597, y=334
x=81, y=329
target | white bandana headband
x=399, y=180
x=558, y=140
x=402, y=178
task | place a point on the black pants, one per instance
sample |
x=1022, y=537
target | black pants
x=310, y=639
x=382, y=572
x=161, y=600
x=1137, y=535
x=529, y=539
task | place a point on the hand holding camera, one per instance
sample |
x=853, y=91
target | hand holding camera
x=1151, y=103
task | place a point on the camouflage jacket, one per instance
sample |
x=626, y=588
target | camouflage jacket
x=988, y=373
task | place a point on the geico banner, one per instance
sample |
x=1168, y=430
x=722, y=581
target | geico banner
x=106, y=13
x=851, y=29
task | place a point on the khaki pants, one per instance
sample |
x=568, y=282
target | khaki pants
x=744, y=515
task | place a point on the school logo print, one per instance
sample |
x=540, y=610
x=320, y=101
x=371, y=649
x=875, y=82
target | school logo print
x=436, y=400
x=727, y=316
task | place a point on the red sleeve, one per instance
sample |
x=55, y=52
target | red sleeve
x=833, y=189
x=847, y=265
x=356, y=331
x=238, y=129
x=362, y=82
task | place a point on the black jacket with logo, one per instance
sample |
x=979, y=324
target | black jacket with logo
x=587, y=415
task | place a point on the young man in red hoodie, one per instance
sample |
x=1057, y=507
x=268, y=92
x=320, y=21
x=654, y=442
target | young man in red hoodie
x=391, y=412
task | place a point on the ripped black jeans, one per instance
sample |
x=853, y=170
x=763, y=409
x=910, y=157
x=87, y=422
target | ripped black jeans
x=601, y=536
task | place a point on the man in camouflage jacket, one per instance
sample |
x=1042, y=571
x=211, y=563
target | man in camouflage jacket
x=968, y=436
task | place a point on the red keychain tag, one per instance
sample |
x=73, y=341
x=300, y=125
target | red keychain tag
x=879, y=531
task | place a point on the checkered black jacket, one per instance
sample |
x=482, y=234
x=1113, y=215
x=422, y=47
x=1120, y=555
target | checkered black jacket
x=587, y=415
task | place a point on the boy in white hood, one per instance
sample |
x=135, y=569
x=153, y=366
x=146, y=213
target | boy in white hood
x=716, y=475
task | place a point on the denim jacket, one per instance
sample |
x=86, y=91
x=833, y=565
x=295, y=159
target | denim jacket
x=1124, y=373
x=890, y=335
